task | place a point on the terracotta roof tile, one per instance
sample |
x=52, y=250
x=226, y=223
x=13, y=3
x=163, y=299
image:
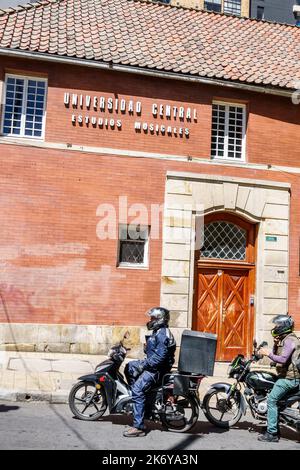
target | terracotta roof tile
x=155, y=36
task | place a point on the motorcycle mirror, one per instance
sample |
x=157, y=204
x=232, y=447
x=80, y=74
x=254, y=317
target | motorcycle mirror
x=255, y=343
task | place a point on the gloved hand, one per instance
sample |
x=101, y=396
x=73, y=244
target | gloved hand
x=264, y=351
x=138, y=369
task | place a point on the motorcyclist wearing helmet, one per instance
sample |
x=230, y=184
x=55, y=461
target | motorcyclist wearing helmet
x=143, y=374
x=286, y=349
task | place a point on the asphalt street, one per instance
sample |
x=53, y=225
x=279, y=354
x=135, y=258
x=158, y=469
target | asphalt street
x=36, y=425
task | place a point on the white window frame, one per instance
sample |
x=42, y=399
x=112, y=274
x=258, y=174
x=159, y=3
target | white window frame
x=231, y=13
x=214, y=2
x=227, y=105
x=145, y=264
x=26, y=78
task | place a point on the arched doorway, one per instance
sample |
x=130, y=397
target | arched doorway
x=224, y=283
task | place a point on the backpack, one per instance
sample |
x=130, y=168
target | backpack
x=296, y=358
x=296, y=363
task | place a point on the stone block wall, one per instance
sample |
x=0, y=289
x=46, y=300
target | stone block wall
x=74, y=339
x=264, y=203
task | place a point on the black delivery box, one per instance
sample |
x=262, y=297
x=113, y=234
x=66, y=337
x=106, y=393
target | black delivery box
x=197, y=352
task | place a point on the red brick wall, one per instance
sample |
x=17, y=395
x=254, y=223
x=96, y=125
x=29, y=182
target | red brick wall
x=49, y=197
x=271, y=127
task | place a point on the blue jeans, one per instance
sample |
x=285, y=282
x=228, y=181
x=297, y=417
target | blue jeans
x=139, y=387
x=280, y=389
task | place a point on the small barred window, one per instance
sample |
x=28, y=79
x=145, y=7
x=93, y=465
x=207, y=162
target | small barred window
x=133, y=245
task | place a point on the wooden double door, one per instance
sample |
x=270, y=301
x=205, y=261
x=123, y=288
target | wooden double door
x=223, y=306
x=224, y=284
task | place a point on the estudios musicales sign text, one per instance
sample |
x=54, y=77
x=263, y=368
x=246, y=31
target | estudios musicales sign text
x=103, y=112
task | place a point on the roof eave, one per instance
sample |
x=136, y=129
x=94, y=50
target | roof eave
x=146, y=71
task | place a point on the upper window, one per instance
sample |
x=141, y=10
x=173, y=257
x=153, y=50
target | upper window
x=213, y=5
x=228, y=131
x=260, y=13
x=233, y=7
x=24, y=106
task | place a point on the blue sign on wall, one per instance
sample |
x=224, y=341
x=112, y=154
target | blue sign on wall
x=270, y=238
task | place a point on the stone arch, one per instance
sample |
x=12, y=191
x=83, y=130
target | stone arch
x=238, y=198
x=237, y=212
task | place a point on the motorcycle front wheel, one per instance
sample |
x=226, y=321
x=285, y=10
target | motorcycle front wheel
x=220, y=410
x=181, y=414
x=87, y=402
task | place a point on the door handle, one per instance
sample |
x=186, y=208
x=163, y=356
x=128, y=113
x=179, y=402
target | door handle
x=223, y=314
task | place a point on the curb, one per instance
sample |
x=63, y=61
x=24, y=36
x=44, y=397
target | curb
x=57, y=397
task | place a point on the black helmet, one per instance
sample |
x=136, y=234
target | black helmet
x=159, y=317
x=284, y=324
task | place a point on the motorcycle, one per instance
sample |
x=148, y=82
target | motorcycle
x=224, y=404
x=174, y=403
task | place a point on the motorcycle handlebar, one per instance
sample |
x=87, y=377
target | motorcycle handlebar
x=256, y=356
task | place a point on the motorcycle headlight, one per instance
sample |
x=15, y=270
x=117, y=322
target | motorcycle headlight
x=236, y=366
x=233, y=373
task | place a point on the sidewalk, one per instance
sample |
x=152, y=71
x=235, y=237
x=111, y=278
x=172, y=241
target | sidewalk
x=26, y=376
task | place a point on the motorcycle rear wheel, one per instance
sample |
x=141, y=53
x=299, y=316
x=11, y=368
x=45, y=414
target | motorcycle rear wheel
x=216, y=405
x=185, y=417
x=87, y=402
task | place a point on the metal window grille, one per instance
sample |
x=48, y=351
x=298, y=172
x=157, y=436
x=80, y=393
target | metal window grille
x=224, y=240
x=228, y=131
x=233, y=7
x=133, y=245
x=24, y=107
x=213, y=5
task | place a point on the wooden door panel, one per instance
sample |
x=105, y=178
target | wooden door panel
x=234, y=335
x=208, y=301
x=223, y=309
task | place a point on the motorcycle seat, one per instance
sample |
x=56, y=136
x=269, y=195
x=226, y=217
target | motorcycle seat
x=162, y=381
